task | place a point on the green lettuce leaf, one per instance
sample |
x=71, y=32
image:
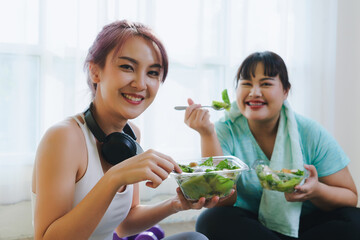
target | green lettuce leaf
x=208, y=162
x=226, y=101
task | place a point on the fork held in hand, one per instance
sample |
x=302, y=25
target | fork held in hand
x=184, y=107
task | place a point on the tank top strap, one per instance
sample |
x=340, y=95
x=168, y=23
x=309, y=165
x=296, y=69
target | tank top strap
x=81, y=124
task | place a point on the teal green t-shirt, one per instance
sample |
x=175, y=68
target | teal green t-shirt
x=318, y=147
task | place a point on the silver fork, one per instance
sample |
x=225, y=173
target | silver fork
x=184, y=107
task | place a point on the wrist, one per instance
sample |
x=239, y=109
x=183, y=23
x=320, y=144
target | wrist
x=208, y=134
x=317, y=194
x=174, y=208
x=113, y=180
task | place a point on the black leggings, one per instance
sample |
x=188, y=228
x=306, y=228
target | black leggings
x=224, y=223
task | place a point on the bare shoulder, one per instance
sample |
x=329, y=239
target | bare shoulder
x=62, y=148
x=62, y=135
x=136, y=130
x=60, y=156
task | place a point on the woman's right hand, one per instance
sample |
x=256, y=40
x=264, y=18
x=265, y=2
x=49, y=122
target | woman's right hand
x=180, y=203
x=151, y=166
x=198, y=118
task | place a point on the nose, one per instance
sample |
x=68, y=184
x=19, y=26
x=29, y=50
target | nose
x=139, y=81
x=255, y=91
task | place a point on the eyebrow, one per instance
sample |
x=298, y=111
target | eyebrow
x=262, y=79
x=155, y=65
x=267, y=78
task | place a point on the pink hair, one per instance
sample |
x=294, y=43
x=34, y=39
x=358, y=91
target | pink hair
x=113, y=36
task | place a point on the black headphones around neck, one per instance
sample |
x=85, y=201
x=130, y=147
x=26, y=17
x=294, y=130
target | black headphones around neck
x=117, y=146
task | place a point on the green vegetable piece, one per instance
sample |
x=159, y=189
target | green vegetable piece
x=260, y=172
x=299, y=173
x=288, y=186
x=219, y=105
x=224, y=164
x=272, y=180
x=220, y=185
x=196, y=187
x=208, y=162
x=277, y=180
x=186, y=168
x=225, y=96
x=225, y=104
x=209, y=176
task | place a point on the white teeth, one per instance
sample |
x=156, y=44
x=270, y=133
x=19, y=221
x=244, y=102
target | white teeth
x=255, y=104
x=132, y=98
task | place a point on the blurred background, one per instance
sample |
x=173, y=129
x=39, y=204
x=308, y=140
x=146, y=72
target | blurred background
x=43, y=44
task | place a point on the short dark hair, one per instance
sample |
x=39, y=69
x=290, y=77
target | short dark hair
x=113, y=36
x=273, y=65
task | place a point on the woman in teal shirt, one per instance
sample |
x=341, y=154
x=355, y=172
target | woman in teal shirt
x=324, y=207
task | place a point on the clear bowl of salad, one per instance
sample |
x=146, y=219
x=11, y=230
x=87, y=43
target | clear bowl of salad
x=210, y=176
x=283, y=180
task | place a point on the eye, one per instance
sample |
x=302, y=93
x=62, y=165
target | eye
x=245, y=83
x=266, y=84
x=154, y=73
x=126, y=67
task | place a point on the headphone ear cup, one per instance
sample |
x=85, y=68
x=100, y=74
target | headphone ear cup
x=117, y=147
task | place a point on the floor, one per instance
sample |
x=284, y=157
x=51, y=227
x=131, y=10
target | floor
x=15, y=221
x=173, y=228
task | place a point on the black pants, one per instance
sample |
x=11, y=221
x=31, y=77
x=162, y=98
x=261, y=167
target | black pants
x=225, y=223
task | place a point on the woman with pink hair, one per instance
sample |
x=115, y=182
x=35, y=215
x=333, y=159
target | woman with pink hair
x=87, y=170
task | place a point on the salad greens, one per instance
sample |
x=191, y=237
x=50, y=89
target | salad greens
x=226, y=101
x=208, y=162
x=205, y=182
x=224, y=164
x=207, y=185
x=282, y=181
x=186, y=168
x=209, y=165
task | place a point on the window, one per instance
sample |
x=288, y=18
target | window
x=43, y=49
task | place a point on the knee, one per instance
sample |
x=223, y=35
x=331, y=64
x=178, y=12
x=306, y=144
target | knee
x=215, y=221
x=207, y=220
x=350, y=217
x=185, y=235
x=349, y=214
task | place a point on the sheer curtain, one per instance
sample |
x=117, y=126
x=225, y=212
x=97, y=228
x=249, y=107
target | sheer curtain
x=43, y=44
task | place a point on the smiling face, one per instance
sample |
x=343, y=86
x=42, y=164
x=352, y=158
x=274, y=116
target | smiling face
x=129, y=81
x=260, y=98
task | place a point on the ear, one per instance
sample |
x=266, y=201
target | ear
x=286, y=93
x=94, y=71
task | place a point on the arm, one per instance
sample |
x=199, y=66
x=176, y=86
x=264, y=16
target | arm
x=327, y=193
x=198, y=119
x=58, y=163
x=60, y=156
x=143, y=217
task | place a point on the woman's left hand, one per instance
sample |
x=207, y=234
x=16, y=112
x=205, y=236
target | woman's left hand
x=180, y=203
x=308, y=190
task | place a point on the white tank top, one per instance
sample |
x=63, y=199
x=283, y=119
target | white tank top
x=121, y=203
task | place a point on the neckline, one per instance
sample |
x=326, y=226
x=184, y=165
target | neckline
x=257, y=149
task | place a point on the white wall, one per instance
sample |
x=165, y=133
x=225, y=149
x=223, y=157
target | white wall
x=347, y=93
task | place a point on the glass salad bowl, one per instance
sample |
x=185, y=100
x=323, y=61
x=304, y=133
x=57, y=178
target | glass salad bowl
x=279, y=180
x=210, y=176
